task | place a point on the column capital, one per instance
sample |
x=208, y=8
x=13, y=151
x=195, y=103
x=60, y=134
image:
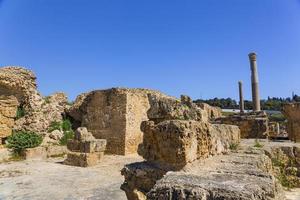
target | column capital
x=252, y=56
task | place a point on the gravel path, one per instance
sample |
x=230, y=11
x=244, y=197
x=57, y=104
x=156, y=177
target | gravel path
x=52, y=180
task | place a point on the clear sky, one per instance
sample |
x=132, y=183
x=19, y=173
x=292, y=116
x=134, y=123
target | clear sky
x=192, y=47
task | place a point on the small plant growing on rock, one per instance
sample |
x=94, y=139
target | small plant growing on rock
x=20, y=112
x=19, y=141
x=257, y=144
x=66, y=127
x=233, y=146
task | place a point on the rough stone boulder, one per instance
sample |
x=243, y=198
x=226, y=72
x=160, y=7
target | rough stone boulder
x=179, y=142
x=39, y=112
x=8, y=110
x=85, y=149
x=236, y=177
x=292, y=113
x=252, y=125
x=168, y=108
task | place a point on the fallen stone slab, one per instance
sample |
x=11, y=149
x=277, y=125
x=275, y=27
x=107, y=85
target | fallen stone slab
x=237, y=176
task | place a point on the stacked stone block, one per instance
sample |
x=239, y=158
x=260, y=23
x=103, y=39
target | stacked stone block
x=85, y=150
x=8, y=111
x=177, y=134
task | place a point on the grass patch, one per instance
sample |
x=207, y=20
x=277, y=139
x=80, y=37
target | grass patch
x=233, y=146
x=257, y=144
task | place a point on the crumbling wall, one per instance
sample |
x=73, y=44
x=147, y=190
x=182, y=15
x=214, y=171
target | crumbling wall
x=252, y=125
x=212, y=112
x=39, y=112
x=292, y=113
x=115, y=115
x=8, y=111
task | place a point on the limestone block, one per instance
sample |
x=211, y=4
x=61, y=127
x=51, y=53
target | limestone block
x=179, y=142
x=83, y=159
x=82, y=134
x=97, y=145
x=56, y=150
x=37, y=153
x=168, y=108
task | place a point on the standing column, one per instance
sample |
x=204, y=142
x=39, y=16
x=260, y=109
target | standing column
x=254, y=81
x=242, y=106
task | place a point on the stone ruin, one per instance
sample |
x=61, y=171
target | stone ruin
x=115, y=115
x=18, y=90
x=8, y=110
x=292, y=112
x=176, y=134
x=85, y=150
x=252, y=125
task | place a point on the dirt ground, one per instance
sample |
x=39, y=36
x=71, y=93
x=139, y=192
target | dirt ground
x=52, y=180
x=31, y=180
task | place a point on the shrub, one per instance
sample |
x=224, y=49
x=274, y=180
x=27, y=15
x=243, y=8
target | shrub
x=66, y=127
x=67, y=136
x=20, y=112
x=54, y=126
x=22, y=140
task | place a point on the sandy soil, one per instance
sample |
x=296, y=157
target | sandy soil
x=52, y=180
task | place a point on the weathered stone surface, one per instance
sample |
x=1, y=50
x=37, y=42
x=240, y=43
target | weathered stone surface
x=235, y=177
x=212, y=112
x=5, y=154
x=168, y=108
x=37, y=153
x=140, y=178
x=56, y=150
x=83, y=159
x=252, y=125
x=292, y=113
x=39, y=112
x=8, y=110
x=85, y=149
x=56, y=135
x=179, y=142
x=115, y=115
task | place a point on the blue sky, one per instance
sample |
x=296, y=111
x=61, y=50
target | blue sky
x=192, y=47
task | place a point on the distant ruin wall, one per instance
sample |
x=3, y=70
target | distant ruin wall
x=292, y=113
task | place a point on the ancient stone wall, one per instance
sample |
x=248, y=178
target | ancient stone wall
x=8, y=111
x=39, y=112
x=115, y=115
x=252, y=125
x=292, y=113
